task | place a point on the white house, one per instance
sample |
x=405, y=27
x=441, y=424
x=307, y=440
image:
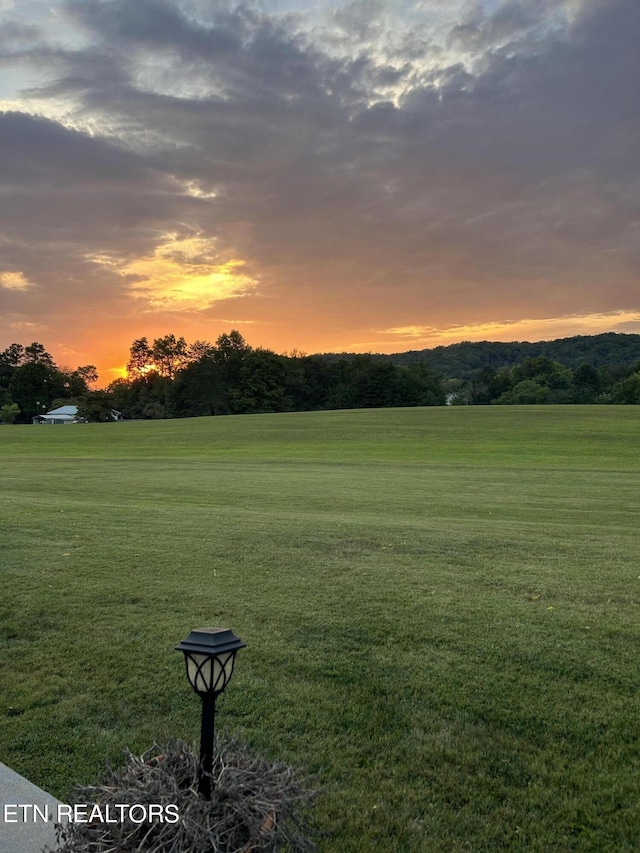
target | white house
x=67, y=415
x=61, y=415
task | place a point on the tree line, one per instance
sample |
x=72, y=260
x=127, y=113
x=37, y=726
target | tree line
x=169, y=378
x=543, y=380
x=466, y=359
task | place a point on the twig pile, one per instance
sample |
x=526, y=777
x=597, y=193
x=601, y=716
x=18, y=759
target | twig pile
x=255, y=806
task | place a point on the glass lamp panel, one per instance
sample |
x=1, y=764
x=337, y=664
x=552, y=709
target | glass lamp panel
x=199, y=672
x=225, y=663
x=209, y=674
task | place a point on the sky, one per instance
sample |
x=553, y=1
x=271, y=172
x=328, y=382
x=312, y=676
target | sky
x=364, y=176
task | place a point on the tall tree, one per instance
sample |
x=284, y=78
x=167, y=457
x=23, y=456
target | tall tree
x=199, y=350
x=263, y=381
x=80, y=380
x=229, y=355
x=35, y=353
x=13, y=356
x=140, y=358
x=169, y=354
x=33, y=383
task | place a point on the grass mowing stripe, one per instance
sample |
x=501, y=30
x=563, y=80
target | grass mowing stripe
x=527, y=436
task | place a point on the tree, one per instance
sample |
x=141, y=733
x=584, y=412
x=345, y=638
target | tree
x=144, y=397
x=544, y=371
x=628, y=390
x=524, y=393
x=230, y=352
x=13, y=356
x=35, y=353
x=263, y=380
x=458, y=392
x=96, y=407
x=9, y=413
x=169, y=354
x=79, y=381
x=489, y=384
x=154, y=410
x=417, y=385
x=35, y=382
x=587, y=384
x=372, y=382
x=141, y=358
x=88, y=374
x=311, y=382
x=199, y=390
x=199, y=350
x=232, y=344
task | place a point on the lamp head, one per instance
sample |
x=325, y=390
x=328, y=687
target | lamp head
x=209, y=655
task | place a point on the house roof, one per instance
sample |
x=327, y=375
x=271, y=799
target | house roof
x=63, y=410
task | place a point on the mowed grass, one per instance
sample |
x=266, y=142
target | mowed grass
x=440, y=608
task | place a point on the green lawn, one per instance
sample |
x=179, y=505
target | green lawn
x=440, y=608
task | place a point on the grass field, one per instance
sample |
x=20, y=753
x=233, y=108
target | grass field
x=440, y=608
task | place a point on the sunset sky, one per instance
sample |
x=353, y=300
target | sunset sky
x=326, y=176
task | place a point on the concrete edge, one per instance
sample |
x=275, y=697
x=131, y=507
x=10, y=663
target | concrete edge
x=23, y=809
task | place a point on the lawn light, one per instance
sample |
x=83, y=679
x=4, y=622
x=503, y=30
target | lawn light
x=209, y=655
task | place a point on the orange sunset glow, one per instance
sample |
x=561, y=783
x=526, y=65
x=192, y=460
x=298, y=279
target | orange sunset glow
x=336, y=178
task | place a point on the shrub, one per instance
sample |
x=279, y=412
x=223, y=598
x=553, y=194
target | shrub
x=255, y=806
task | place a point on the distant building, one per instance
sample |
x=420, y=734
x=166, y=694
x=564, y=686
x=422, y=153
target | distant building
x=61, y=415
x=67, y=415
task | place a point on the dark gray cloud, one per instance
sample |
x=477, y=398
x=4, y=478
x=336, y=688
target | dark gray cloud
x=153, y=25
x=16, y=35
x=42, y=154
x=374, y=177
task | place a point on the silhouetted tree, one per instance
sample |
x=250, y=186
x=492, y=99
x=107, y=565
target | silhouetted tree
x=169, y=354
x=35, y=353
x=140, y=358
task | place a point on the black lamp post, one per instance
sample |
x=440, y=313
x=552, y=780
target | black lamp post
x=209, y=655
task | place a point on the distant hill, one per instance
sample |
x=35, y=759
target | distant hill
x=464, y=360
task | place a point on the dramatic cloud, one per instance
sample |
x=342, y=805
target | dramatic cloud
x=376, y=176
